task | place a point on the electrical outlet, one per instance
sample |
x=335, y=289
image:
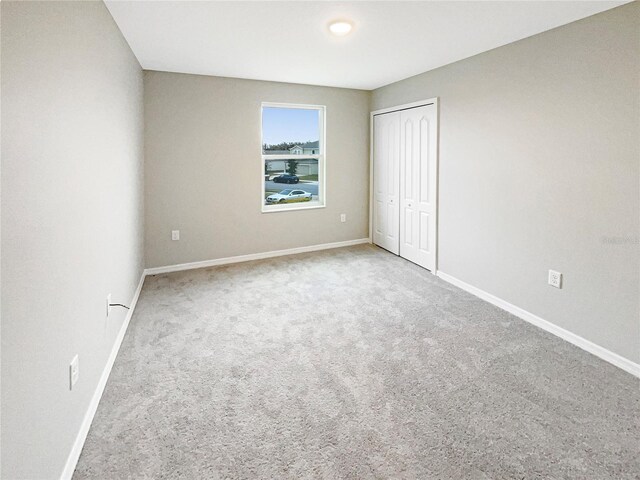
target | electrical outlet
x=175, y=234
x=108, y=304
x=74, y=372
x=343, y=217
x=555, y=279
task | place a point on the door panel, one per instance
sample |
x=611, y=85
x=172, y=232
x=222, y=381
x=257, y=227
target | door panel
x=424, y=232
x=386, y=180
x=425, y=165
x=407, y=166
x=418, y=152
x=407, y=222
x=378, y=218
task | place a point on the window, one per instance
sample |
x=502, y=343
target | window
x=293, y=153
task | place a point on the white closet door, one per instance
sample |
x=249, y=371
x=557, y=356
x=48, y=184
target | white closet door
x=418, y=177
x=386, y=181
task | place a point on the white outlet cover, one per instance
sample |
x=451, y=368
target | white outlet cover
x=175, y=234
x=555, y=279
x=343, y=217
x=108, y=304
x=74, y=372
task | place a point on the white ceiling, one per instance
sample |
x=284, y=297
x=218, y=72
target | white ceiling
x=289, y=41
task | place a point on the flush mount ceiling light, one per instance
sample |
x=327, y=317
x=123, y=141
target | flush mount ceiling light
x=340, y=28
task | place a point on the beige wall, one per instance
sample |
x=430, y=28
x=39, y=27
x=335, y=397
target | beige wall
x=540, y=169
x=72, y=221
x=203, y=170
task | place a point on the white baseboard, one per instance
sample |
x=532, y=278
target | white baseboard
x=74, y=455
x=253, y=256
x=607, y=355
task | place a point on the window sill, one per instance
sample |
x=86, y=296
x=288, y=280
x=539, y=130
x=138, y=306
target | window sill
x=287, y=208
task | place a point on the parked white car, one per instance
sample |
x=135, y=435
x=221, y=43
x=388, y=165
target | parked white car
x=289, y=196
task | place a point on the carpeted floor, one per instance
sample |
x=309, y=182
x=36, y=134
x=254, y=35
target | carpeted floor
x=351, y=364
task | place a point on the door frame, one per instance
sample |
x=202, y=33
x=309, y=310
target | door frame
x=406, y=106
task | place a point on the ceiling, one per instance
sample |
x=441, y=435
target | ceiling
x=290, y=42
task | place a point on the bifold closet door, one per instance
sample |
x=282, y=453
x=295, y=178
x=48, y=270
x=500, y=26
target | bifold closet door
x=386, y=181
x=418, y=171
x=404, y=183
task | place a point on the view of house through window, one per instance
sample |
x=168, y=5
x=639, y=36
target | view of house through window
x=293, y=156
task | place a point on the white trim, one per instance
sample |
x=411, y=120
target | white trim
x=601, y=352
x=302, y=106
x=436, y=247
x=371, y=177
x=292, y=207
x=252, y=256
x=76, y=450
x=291, y=156
x=421, y=103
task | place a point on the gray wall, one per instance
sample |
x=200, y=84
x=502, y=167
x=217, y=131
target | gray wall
x=540, y=169
x=203, y=169
x=72, y=218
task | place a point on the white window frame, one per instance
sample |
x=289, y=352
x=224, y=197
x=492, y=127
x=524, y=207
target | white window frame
x=320, y=156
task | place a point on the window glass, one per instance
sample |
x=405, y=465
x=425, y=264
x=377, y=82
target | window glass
x=300, y=172
x=290, y=131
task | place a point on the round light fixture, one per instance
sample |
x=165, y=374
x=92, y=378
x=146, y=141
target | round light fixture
x=340, y=28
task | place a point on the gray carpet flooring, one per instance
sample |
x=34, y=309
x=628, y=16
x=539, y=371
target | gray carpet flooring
x=351, y=364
